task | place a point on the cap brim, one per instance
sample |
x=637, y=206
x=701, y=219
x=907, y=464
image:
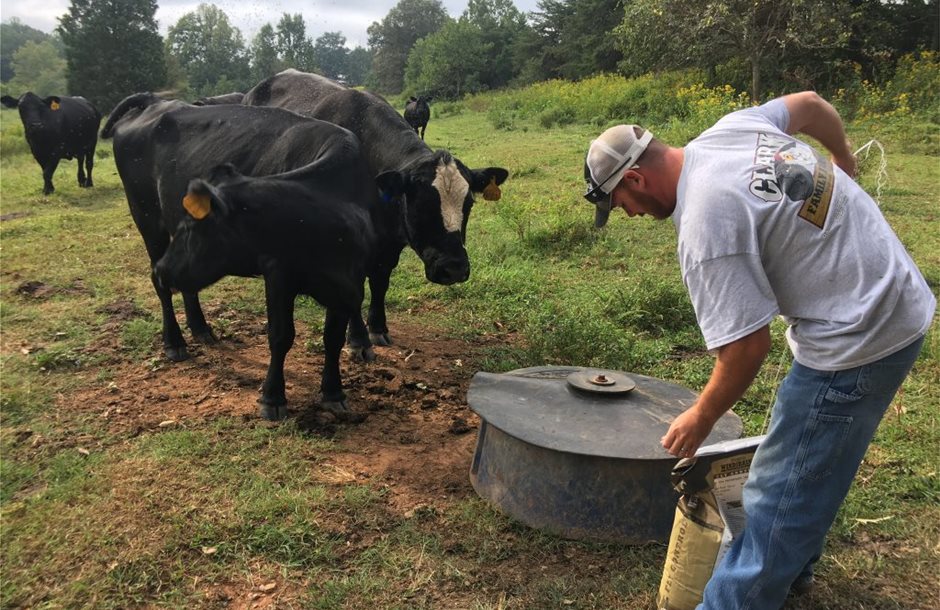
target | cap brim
x=600, y=216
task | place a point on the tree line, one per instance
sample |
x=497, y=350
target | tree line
x=106, y=49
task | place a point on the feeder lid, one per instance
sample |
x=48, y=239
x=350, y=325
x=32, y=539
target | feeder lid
x=541, y=406
x=600, y=382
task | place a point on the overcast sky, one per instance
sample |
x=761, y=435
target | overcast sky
x=351, y=17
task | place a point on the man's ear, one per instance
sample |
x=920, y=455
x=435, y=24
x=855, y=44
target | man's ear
x=201, y=199
x=632, y=179
x=391, y=185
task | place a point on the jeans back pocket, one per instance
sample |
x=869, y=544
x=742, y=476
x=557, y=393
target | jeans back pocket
x=824, y=444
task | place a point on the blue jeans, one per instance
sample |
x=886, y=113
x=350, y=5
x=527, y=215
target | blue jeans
x=821, y=426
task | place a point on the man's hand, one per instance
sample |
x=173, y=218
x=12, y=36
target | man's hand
x=848, y=163
x=687, y=433
x=735, y=369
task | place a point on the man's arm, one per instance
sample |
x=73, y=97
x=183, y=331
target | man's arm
x=737, y=364
x=814, y=116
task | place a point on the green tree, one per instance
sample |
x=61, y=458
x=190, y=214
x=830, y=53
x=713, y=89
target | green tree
x=264, y=58
x=293, y=46
x=358, y=66
x=880, y=33
x=500, y=25
x=449, y=63
x=39, y=68
x=537, y=50
x=14, y=35
x=329, y=54
x=570, y=39
x=760, y=34
x=112, y=49
x=391, y=39
x=209, y=49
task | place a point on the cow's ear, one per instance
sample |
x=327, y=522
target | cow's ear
x=487, y=181
x=9, y=102
x=412, y=99
x=225, y=171
x=53, y=101
x=199, y=200
x=391, y=185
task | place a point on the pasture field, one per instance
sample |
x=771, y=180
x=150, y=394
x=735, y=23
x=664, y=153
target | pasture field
x=132, y=482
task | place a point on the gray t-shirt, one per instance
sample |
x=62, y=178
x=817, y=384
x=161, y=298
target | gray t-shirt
x=768, y=226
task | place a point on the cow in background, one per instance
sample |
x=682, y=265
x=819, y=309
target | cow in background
x=418, y=113
x=430, y=204
x=303, y=222
x=59, y=127
x=229, y=98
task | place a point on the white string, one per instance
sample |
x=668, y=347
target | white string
x=882, y=177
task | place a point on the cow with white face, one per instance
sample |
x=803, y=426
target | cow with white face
x=430, y=192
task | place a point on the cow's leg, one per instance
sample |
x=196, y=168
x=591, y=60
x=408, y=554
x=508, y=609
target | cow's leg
x=47, y=170
x=378, y=327
x=156, y=241
x=174, y=346
x=89, y=163
x=357, y=340
x=196, y=320
x=331, y=385
x=378, y=286
x=357, y=337
x=280, y=305
x=81, y=170
x=423, y=127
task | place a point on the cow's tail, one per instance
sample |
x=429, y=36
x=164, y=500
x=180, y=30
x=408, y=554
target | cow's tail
x=138, y=100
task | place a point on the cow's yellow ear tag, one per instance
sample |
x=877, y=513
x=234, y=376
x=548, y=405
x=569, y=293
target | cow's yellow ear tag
x=492, y=192
x=197, y=205
x=54, y=105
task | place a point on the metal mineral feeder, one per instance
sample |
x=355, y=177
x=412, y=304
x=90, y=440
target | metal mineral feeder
x=575, y=451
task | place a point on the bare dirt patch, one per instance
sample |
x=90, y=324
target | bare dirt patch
x=14, y=216
x=416, y=435
x=36, y=289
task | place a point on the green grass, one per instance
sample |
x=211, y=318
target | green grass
x=163, y=518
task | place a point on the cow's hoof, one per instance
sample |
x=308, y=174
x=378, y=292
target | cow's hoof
x=176, y=354
x=380, y=339
x=206, y=337
x=339, y=408
x=272, y=412
x=361, y=354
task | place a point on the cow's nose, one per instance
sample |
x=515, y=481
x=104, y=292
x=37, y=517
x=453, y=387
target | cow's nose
x=451, y=272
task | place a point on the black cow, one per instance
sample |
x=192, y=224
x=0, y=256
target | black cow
x=430, y=212
x=305, y=227
x=59, y=127
x=418, y=113
x=229, y=98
